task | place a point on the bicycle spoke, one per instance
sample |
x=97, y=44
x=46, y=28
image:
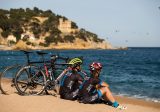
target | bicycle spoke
x=33, y=78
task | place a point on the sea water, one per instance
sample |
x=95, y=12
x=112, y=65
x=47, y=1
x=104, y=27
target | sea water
x=133, y=73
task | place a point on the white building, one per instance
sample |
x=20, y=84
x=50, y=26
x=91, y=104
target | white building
x=66, y=27
x=29, y=37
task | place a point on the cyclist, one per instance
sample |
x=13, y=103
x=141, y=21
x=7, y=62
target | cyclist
x=93, y=90
x=69, y=85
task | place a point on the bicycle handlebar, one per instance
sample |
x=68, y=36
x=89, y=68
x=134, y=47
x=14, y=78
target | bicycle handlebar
x=63, y=58
x=55, y=57
x=40, y=53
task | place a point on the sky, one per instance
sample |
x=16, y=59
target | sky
x=124, y=23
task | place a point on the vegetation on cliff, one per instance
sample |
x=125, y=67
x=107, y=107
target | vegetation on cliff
x=42, y=24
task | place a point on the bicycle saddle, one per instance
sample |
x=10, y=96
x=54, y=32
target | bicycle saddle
x=26, y=52
x=40, y=53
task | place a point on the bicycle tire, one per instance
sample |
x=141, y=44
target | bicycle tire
x=7, y=79
x=30, y=80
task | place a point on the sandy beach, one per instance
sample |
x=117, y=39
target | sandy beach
x=48, y=103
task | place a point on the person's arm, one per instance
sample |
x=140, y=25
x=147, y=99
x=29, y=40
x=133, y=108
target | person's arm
x=101, y=84
x=85, y=75
x=80, y=79
x=104, y=84
x=61, y=75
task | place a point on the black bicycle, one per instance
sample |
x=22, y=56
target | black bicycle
x=33, y=80
x=7, y=77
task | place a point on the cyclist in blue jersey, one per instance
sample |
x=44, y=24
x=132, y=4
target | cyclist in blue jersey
x=93, y=90
x=69, y=85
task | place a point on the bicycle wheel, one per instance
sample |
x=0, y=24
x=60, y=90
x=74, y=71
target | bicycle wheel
x=30, y=80
x=7, y=79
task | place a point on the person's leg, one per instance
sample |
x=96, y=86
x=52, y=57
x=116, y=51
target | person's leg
x=90, y=99
x=71, y=95
x=68, y=96
x=107, y=94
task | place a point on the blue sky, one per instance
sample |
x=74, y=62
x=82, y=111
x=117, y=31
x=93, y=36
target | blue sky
x=133, y=23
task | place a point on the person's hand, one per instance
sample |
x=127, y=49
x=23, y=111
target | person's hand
x=98, y=86
x=66, y=70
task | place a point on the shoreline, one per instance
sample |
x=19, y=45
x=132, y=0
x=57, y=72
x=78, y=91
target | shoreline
x=9, y=49
x=6, y=48
x=17, y=103
x=135, y=101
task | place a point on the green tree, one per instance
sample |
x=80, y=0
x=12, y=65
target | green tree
x=51, y=22
x=36, y=29
x=30, y=13
x=74, y=25
x=50, y=39
x=5, y=33
x=82, y=35
x=2, y=11
x=36, y=10
x=4, y=22
x=69, y=38
x=47, y=13
x=17, y=33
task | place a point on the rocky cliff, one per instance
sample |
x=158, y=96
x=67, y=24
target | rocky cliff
x=37, y=29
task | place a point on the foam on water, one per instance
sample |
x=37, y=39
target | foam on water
x=156, y=100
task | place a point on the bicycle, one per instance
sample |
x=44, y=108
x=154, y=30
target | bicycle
x=33, y=80
x=7, y=77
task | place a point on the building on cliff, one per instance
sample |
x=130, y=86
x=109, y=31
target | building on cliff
x=65, y=26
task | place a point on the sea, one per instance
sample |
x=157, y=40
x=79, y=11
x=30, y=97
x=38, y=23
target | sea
x=132, y=73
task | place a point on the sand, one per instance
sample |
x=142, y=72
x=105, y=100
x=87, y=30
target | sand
x=48, y=103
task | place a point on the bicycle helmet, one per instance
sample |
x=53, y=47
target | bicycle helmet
x=75, y=62
x=95, y=66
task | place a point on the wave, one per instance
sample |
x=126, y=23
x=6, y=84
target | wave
x=146, y=98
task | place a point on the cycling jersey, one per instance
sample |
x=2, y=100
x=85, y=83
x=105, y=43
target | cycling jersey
x=88, y=92
x=69, y=86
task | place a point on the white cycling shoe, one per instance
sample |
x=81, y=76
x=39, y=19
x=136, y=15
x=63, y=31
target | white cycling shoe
x=122, y=107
